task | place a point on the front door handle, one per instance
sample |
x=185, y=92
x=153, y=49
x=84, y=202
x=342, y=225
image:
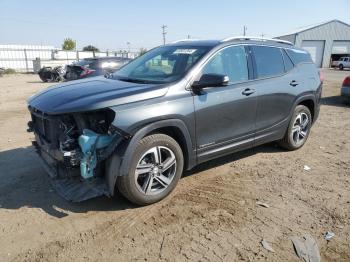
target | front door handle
x=294, y=83
x=248, y=91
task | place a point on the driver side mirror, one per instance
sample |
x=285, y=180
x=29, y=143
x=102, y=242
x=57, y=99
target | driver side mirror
x=211, y=80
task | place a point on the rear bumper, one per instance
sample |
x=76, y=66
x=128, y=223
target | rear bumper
x=316, y=113
x=345, y=91
x=318, y=102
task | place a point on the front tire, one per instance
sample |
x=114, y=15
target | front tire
x=298, y=130
x=155, y=170
x=341, y=67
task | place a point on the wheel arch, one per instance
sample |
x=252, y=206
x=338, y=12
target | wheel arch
x=121, y=159
x=310, y=104
x=177, y=134
x=309, y=101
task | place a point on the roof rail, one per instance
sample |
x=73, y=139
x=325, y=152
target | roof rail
x=184, y=40
x=256, y=38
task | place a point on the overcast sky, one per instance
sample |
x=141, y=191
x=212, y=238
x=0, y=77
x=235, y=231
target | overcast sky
x=111, y=24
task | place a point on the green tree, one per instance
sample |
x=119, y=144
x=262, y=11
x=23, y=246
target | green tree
x=68, y=44
x=142, y=51
x=91, y=48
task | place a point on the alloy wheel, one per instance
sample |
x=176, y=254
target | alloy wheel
x=155, y=170
x=300, y=128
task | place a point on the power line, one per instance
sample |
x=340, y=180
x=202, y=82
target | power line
x=164, y=33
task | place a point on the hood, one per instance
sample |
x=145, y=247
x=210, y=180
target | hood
x=91, y=94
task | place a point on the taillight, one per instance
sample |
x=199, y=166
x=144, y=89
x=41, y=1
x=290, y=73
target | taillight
x=320, y=73
x=86, y=71
x=346, y=81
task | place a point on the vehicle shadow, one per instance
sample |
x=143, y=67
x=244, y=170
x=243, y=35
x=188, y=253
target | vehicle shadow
x=26, y=184
x=335, y=101
x=344, y=69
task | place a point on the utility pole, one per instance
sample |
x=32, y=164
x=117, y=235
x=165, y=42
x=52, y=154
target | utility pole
x=188, y=37
x=164, y=33
x=262, y=35
x=128, y=44
x=244, y=30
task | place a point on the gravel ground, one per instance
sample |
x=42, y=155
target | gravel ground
x=211, y=216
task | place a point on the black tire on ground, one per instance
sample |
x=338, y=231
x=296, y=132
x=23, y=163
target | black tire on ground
x=341, y=67
x=45, y=76
x=287, y=142
x=127, y=184
x=43, y=79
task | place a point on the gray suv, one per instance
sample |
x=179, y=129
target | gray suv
x=172, y=108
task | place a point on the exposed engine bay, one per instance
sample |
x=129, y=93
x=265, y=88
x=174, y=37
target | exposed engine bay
x=74, y=148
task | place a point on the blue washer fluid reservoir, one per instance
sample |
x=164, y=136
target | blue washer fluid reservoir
x=89, y=142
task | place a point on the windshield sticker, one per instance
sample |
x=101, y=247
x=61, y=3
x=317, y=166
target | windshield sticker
x=185, y=51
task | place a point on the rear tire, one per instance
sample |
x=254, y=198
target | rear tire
x=341, y=67
x=155, y=169
x=298, y=130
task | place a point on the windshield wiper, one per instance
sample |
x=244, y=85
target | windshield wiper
x=135, y=80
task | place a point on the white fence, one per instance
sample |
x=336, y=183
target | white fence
x=21, y=57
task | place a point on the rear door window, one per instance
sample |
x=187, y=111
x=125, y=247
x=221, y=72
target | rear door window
x=268, y=61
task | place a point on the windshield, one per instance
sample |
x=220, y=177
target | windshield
x=162, y=65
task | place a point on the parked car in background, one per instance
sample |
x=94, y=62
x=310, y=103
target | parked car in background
x=49, y=74
x=172, y=108
x=343, y=62
x=2, y=70
x=345, y=89
x=89, y=67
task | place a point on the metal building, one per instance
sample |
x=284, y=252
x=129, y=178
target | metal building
x=325, y=42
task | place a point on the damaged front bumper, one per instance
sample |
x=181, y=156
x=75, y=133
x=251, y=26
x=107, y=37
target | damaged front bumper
x=76, y=174
x=70, y=183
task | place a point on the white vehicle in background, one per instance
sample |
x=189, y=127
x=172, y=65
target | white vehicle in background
x=343, y=62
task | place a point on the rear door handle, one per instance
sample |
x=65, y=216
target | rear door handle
x=294, y=83
x=248, y=91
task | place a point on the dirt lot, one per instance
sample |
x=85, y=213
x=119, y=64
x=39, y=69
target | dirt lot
x=211, y=216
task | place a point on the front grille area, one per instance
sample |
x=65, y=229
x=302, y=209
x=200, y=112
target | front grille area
x=45, y=126
x=42, y=126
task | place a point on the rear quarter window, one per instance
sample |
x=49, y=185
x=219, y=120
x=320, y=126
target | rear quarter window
x=299, y=56
x=288, y=64
x=268, y=61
